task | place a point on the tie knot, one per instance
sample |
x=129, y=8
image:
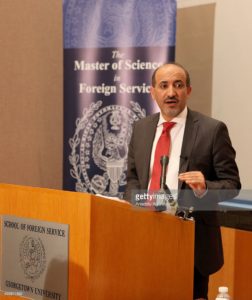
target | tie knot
x=167, y=126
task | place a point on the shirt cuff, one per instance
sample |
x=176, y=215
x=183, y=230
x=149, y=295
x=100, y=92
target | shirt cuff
x=200, y=195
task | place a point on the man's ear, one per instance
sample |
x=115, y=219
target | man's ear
x=189, y=90
x=152, y=92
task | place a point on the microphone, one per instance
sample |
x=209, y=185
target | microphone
x=164, y=160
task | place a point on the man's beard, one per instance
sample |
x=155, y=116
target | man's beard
x=172, y=112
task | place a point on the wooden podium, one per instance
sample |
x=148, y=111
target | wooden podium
x=116, y=251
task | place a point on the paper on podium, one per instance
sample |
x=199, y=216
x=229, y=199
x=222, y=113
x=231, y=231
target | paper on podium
x=112, y=198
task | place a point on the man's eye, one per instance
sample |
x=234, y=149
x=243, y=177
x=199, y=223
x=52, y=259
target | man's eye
x=179, y=85
x=163, y=85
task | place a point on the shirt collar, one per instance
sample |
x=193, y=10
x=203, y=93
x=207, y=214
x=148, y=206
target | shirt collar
x=179, y=119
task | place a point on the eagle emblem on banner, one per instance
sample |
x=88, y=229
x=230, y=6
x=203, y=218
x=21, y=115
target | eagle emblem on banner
x=99, y=147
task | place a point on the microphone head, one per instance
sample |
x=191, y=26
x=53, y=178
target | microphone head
x=164, y=160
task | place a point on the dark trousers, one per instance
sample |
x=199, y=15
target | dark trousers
x=200, y=285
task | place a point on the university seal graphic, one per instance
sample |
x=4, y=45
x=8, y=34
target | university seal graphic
x=32, y=257
x=99, y=147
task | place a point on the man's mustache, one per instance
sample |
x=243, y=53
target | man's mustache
x=171, y=99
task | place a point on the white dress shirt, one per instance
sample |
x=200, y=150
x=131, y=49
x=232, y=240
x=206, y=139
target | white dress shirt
x=176, y=133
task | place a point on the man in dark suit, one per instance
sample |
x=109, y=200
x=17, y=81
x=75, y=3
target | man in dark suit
x=201, y=167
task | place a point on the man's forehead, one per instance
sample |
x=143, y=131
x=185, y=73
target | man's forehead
x=170, y=72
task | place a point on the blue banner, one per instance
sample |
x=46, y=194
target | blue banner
x=111, y=48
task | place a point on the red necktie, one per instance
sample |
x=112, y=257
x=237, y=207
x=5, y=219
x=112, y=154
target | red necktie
x=162, y=148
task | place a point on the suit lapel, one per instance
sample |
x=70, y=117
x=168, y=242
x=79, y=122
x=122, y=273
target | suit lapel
x=149, y=138
x=191, y=129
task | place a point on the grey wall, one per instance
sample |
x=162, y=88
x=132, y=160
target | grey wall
x=31, y=92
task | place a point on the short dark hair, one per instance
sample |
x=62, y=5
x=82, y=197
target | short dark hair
x=188, y=80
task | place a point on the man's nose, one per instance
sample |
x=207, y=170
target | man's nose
x=171, y=92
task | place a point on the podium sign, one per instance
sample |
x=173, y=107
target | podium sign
x=34, y=258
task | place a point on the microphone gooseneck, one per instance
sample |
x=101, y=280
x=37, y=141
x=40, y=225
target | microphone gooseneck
x=164, y=160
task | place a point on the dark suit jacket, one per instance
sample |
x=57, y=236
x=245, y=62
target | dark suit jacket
x=207, y=148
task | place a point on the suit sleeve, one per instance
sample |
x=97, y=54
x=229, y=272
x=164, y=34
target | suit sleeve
x=132, y=177
x=226, y=174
